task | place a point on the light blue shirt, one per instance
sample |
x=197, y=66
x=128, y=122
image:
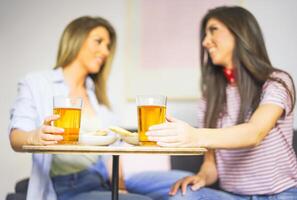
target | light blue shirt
x=33, y=103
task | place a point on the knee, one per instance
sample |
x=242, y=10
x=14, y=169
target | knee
x=190, y=194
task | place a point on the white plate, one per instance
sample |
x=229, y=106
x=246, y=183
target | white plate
x=97, y=139
x=131, y=139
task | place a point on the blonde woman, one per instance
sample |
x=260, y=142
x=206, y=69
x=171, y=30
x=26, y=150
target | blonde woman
x=83, y=64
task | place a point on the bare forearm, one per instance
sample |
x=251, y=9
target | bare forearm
x=239, y=136
x=46, y=134
x=208, y=168
x=18, y=138
x=244, y=135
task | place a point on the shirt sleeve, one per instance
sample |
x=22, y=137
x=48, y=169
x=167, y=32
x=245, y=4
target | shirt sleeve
x=276, y=93
x=23, y=114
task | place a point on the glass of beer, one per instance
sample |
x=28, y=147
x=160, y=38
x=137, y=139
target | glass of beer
x=69, y=109
x=151, y=110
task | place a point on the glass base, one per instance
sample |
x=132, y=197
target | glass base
x=67, y=142
x=147, y=143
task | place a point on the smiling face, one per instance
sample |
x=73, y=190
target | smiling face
x=95, y=50
x=219, y=43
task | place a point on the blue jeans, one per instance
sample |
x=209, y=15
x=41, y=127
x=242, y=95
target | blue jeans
x=155, y=184
x=93, y=184
x=90, y=184
x=212, y=194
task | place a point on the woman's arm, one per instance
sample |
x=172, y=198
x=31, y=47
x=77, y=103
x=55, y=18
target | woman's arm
x=250, y=134
x=208, y=168
x=44, y=135
x=18, y=138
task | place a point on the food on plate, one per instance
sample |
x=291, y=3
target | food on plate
x=98, y=133
x=121, y=131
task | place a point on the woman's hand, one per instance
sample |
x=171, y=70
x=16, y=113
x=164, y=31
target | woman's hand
x=47, y=134
x=197, y=181
x=174, y=133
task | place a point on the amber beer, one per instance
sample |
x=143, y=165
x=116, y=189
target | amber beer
x=70, y=122
x=69, y=110
x=151, y=110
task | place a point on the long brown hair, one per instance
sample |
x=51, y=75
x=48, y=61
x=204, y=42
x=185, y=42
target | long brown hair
x=252, y=65
x=71, y=42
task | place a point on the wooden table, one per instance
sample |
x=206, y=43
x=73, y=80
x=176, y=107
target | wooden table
x=115, y=151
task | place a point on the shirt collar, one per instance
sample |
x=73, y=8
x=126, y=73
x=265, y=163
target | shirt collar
x=90, y=85
x=57, y=75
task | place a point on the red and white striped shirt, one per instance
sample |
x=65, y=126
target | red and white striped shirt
x=268, y=168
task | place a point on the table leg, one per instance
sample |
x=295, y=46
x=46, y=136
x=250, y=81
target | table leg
x=115, y=177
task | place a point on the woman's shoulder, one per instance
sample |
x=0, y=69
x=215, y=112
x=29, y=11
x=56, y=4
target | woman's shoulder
x=279, y=78
x=281, y=75
x=39, y=74
x=279, y=90
x=42, y=76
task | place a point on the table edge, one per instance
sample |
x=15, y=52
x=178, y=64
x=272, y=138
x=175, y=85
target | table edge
x=113, y=150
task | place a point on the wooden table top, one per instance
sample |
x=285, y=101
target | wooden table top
x=112, y=150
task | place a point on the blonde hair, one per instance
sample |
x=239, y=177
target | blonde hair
x=71, y=42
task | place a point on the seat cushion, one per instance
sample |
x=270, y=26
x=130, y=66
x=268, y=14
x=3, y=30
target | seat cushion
x=16, y=196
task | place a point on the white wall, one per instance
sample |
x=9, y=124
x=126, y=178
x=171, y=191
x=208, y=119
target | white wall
x=30, y=31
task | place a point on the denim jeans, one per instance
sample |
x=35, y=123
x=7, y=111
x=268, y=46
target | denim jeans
x=212, y=194
x=155, y=184
x=88, y=184
x=93, y=184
